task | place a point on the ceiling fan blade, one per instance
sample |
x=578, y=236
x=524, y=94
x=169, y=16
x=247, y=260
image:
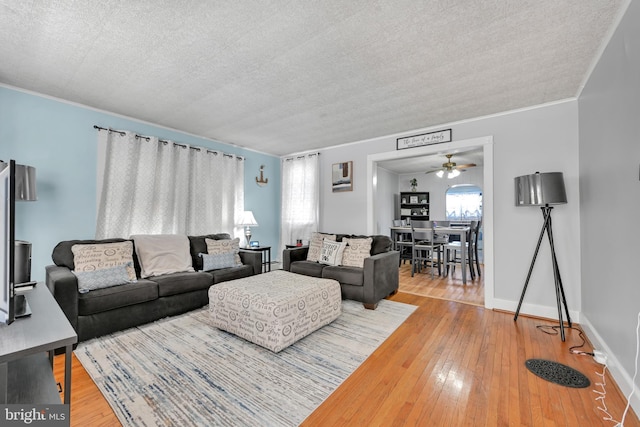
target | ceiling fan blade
x=468, y=165
x=435, y=170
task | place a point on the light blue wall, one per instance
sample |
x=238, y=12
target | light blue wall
x=59, y=140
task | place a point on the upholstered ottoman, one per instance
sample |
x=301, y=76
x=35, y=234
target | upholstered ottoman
x=274, y=309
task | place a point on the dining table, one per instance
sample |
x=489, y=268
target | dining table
x=461, y=231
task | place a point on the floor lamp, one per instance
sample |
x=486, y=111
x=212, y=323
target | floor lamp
x=543, y=190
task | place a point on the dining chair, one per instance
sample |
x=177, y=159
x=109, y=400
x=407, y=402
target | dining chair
x=402, y=241
x=425, y=247
x=452, y=250
x=475, y=237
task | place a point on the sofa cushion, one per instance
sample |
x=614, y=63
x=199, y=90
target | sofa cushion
x=198, y=245
x=106, y=299
x=161, y=254
x=315, y=245
x=308, y=268
x=344, y=275
x=182, y=282
x=232, y=273
x=356, y=251
x=379, y=245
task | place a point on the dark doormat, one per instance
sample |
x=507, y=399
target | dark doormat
x=557, y=373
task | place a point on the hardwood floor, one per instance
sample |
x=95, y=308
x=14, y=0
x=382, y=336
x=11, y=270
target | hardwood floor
x=449, y=364
x=448, y=288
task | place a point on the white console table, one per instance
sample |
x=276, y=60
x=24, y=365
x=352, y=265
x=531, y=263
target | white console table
x=26, y=370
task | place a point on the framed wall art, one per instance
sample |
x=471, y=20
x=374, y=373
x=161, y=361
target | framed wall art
x=424, y=139
x=342, y=177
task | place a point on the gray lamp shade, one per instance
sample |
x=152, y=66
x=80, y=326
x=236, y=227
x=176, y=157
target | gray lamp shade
x=540, y=189
x=25, y=182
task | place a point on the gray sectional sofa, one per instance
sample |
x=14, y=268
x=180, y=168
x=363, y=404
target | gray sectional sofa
x=103, y=311
x=377, y=279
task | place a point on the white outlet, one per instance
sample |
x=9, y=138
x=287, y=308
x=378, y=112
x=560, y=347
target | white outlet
x=600, y=357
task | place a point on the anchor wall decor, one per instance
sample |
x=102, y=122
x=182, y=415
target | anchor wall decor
x=262, y=181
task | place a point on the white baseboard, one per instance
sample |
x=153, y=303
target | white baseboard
x=535, y=310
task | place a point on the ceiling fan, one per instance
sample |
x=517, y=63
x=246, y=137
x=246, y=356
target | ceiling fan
x=451, y=168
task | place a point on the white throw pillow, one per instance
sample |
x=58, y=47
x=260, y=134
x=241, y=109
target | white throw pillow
x=331, y=252
x=162, y=254
x=356, y=252
x=315, y=245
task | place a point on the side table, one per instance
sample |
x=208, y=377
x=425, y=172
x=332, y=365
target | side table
x=26, y=373
x=266, y=256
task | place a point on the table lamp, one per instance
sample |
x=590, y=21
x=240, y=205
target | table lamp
x=247, y=220
x=543, y=190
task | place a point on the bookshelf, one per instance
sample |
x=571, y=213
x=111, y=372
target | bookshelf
x=414, y=205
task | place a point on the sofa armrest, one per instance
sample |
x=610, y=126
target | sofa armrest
x=63, y=284
x=252, y=258
x=381, y=276
x=293, y=254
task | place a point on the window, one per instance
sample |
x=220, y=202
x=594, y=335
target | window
x=463, y=202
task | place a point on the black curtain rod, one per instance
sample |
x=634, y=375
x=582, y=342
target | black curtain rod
x=109, y=129
x=122, y=133
x=301, y=157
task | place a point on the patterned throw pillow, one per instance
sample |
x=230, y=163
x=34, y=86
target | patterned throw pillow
x=356, y=251
x=215, y=247
x=331, y=252
x=99, y=256
x=315, y=245
x=103, y=278
x=218, y=261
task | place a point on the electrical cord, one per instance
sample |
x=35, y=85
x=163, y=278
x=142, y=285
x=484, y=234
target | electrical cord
x=635, y=373
x=553, y=330
x=602, y=395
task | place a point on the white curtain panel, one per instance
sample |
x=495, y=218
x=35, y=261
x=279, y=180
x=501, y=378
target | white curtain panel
x=159, y=187
x=300, y=198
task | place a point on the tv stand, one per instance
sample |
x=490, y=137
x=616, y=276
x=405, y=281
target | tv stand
x=26, y=352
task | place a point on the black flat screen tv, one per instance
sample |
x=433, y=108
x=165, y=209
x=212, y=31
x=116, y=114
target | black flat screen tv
x=7, y=240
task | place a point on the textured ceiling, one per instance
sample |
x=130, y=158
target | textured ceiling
x=288, y=76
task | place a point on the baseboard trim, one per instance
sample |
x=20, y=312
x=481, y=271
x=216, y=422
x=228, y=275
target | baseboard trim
x=535, y=310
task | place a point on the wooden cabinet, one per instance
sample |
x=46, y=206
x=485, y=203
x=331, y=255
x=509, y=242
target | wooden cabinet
x=414, y=205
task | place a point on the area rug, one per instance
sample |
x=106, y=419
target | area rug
x=181, y=371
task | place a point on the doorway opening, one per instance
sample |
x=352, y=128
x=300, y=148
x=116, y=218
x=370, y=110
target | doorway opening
x=486, y=143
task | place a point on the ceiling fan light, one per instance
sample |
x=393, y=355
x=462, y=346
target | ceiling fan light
x=440, y=173
x=453, y=173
